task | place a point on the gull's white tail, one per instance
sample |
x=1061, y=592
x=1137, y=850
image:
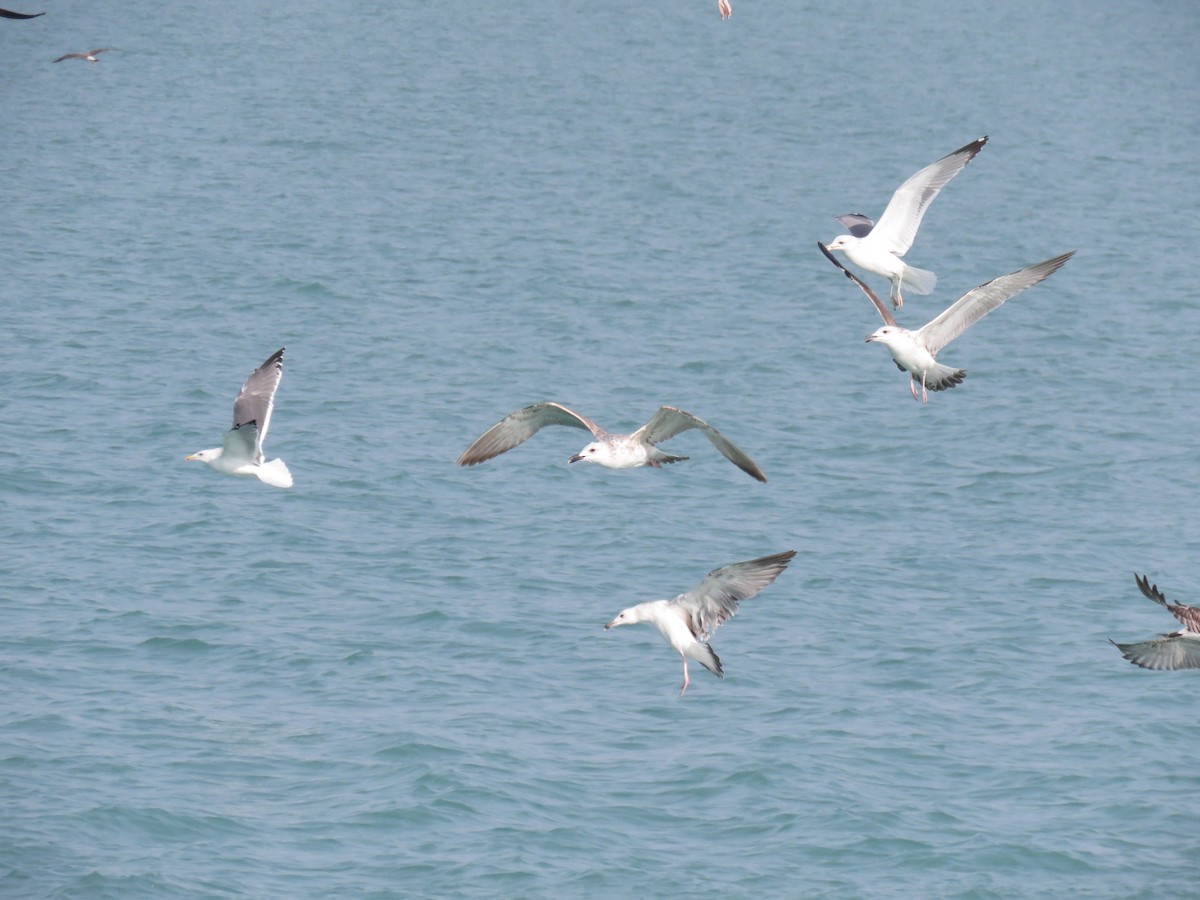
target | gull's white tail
x=917, y=281
x=274, y=473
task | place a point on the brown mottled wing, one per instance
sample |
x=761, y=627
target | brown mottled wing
x=1188, y=616
x=716, y=598
x=884, y=312
x=669, y=421
x=518, y=427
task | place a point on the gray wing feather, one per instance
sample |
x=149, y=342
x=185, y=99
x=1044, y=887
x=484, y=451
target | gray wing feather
x=9, y=14
x=857, y=224
x=669, y=421
x=1178, y=650
x=716, y=598
x=977, y=303
x=518, y=427
x=897, y=227
x=884, y=312
x=256, y=401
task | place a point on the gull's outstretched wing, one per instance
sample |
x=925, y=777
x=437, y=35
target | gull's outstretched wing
x=518, y=427
x=897, y=227
x=8, y=14
x=669, y=421
x=255, y=403
x=884, y=312
x=977, y=303
x=1188, y=616
x=716, y=598
x=71, y=56
x=1178, y=650
x=857, y=224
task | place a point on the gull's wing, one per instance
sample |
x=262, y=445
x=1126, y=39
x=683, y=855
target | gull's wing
x=669, y=421
x=255, y=402
x=518, y=427
x=1178, y=650
x=1188, y=616
x=716, y=598
x=888, y=318
x=98, y=50
x=977, y=303
x=8, y=14
x=897, y=227
x=857, y=224
x=71, y=56
x=244, y=443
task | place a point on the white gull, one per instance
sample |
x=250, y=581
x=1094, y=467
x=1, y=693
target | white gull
x=614, y=451
x=915, y=351
x=688, y=621
x=90, y=56
x=878, y=247
x=1177, y=650
x=241, y=450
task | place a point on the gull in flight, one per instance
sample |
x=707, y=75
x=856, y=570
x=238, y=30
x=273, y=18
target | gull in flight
x=914, y=351
x=688, y=621
x=241, y=450
x=614, y=451
x=1177, y=650
x=90, y=56
x=878, y=247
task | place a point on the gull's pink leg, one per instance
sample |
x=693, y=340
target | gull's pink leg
x=725, y=9
x=912, y=388
x=924, y=393
x=685, y=677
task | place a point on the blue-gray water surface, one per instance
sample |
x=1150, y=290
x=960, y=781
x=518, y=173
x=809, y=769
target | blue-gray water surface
x=392, y=680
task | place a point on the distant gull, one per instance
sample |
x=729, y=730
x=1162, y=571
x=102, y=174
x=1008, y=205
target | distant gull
x=724, y=9
x=90, y=56
x=7, y=14
x=1177, y=650
x=241, y=450
x=688, y=621
x=614, y=451
x=914, y=351
x=878, y=247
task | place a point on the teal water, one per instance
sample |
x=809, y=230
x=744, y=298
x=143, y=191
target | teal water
x=393, y=679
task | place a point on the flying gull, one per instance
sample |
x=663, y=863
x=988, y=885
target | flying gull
x=914, y=351
x=90, y=56
x=878, y=247
x=688, y=621
x=1177, y=650
x=240, y=452
x=9, y=14
x=614, y=451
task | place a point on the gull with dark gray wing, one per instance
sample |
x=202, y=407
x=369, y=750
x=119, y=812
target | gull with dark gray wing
x=614, y=451
x=687, y=622
x=90, y=56
x=241, y=451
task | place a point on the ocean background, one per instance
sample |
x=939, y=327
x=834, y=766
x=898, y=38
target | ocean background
x=392, y=680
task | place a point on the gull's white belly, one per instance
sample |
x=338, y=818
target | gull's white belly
x=881, y=262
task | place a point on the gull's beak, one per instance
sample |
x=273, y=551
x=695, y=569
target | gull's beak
x=870, y=338
x=190, y=457
x=576, y=458
x=611, y=624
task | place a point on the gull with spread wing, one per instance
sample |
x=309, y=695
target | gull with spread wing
x=90, y=56
x=241, y=451
x=614, y=451
x=878, y=247
x=1177, y=650
x=915, y=351
x=688, y=621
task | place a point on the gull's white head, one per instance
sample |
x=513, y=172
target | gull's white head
x=842, y=241
x=206, y=456
x=626, y=617
x=888, y=335
x=596, y=451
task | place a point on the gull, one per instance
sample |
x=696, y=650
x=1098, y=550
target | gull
x=688, y=621
x=878, y=247
x=90, y=56
x=614, y=451
x=724, y=9
x=9, y=14
x=1177, y=650
x=914, y=351
x=241, y=450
